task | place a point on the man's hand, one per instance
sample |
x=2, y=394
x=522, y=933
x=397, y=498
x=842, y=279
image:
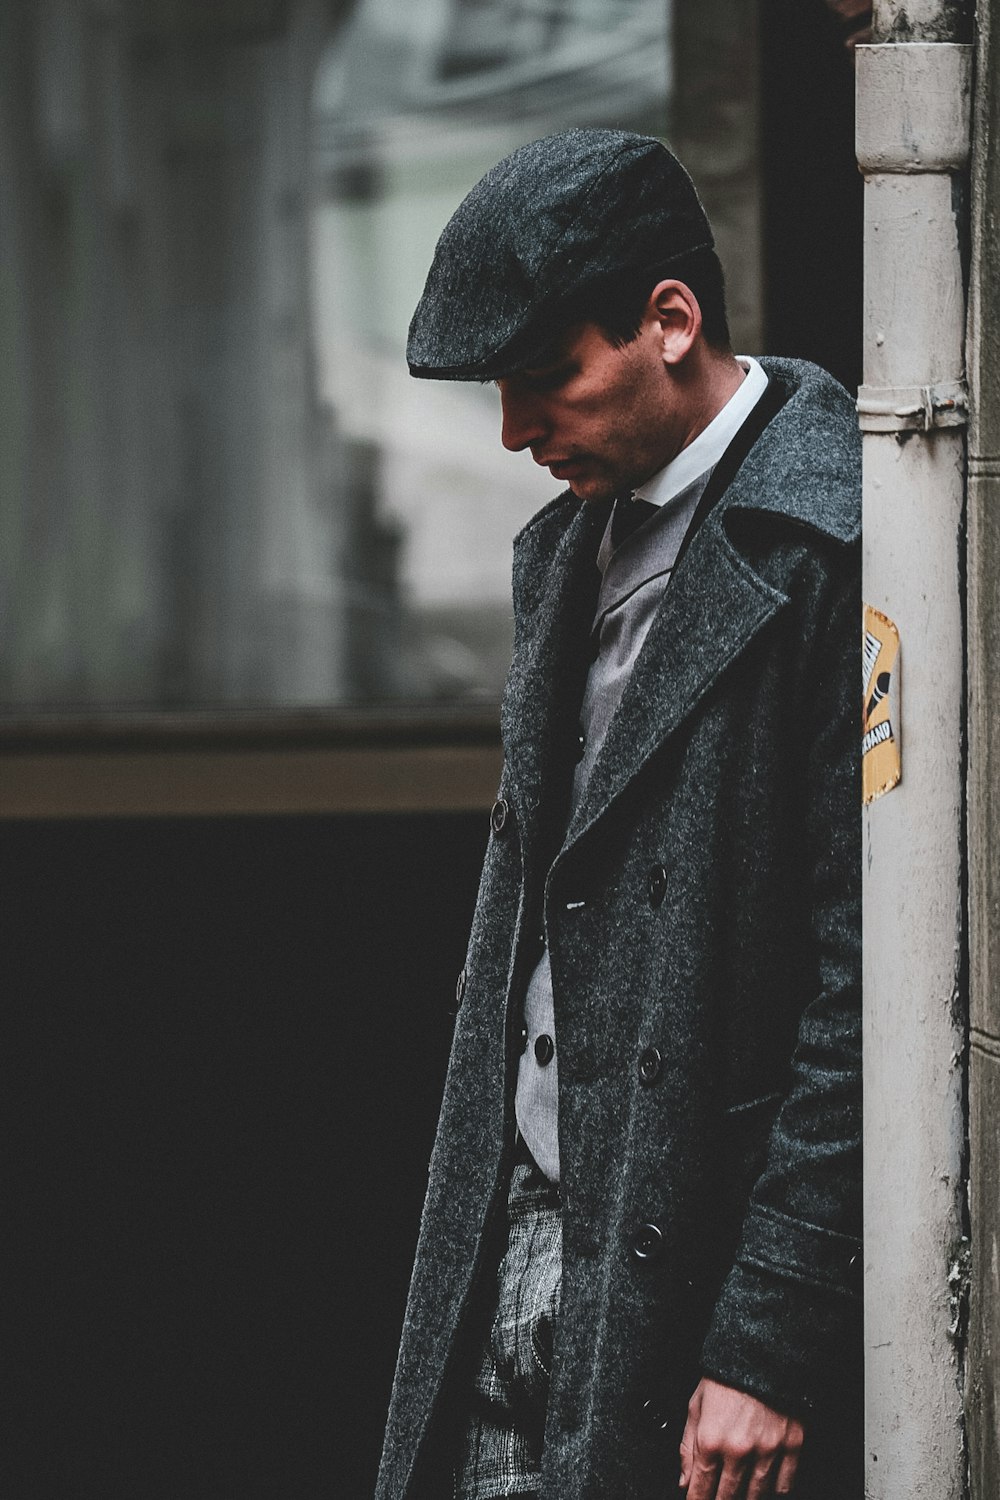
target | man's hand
x=735, y=1446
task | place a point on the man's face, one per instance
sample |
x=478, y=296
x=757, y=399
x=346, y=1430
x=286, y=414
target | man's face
x=599, y=418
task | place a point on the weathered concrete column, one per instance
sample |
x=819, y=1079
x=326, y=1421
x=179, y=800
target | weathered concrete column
x=913, y=132
x=983, y=1379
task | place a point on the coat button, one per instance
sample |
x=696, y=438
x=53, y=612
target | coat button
x=580, y=745
x=524, y=1038
x=655, y=1414
x=650, y=1065
x=545, y=1050
x=647, y=1242
x=657, y=885
x=499, y=814
x=460, y=988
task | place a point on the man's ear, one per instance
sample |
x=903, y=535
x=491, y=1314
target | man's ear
x=675, y=308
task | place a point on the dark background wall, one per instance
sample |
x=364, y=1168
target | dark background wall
x=812, y=191
x=223, y=1044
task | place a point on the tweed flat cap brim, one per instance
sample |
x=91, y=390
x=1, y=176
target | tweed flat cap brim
x=543, y=227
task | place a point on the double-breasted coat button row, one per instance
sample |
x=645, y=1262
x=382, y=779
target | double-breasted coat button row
x=499, y=815
x=650, y=1066
x=656, y=885
x=647, y=1242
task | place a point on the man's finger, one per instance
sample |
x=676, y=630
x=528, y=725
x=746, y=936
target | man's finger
x=704, y=1478
x=685, y=1478
x=732, y=1479
x=785, y=1481
x=760, y=1480
x=688, y=1438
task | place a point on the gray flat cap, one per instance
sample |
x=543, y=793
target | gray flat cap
x=550, y=220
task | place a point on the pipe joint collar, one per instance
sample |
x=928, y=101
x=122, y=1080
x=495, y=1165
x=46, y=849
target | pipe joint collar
x=914, y=107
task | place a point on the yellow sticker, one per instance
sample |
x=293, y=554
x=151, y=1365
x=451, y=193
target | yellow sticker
x=880, y=762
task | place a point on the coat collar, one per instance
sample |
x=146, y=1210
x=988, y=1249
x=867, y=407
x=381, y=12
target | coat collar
x=802, y=469
x=806, y=464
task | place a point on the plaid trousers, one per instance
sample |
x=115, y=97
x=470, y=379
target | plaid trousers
x=500, y=1451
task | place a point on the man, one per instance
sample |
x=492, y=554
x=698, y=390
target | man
x=641, y=1231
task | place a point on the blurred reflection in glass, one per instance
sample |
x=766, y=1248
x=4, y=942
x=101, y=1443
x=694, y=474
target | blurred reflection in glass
x=219, y=487
x=411, y=108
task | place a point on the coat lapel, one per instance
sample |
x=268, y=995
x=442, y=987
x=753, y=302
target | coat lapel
x=712, y=609
x=555, y=589
x=715, y=603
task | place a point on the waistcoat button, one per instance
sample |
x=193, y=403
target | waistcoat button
x=545, y=1050
x=647, y=1242
x=499, y=815
x=650, y=1065
x=657, y=885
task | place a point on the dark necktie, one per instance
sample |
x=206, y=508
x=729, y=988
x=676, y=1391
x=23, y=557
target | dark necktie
x=628, y=517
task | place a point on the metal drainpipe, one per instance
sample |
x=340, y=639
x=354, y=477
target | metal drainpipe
x=983, y=1382
x=913, y=143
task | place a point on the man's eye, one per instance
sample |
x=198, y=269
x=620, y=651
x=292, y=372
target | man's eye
x=548, y=379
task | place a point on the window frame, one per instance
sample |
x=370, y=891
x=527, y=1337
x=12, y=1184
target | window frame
x=277, y=762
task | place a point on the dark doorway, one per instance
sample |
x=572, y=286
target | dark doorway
x=224, y=1043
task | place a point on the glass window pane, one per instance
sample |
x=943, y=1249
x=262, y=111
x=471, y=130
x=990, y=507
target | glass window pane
x=219, y=486
x=409, y=116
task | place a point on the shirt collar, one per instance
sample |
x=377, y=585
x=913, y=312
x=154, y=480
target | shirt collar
x=704, y=451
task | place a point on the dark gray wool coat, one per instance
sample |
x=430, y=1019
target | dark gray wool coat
x=733, y=763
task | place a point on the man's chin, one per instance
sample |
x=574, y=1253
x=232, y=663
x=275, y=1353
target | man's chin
x=592, y=490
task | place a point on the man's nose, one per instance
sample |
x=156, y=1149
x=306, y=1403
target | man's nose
x=523, y=424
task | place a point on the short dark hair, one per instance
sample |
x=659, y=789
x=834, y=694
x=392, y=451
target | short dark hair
x=616, y=304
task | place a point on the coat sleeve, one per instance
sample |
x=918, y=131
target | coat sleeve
x=787, y=1324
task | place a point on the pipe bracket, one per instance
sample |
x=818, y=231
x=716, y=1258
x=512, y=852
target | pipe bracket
x=913, y=408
